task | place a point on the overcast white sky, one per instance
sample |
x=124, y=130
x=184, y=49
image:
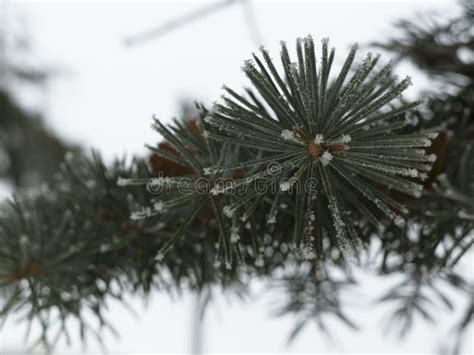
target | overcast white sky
x=105, y=95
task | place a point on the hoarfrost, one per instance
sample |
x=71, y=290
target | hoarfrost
x=307, y=252
x=432, y=135
x=288, y=135
x=319, y=139
x=346, y=138
x=228, y=211
x=143, y=213
x=399, y=221
x=326, y=158
x=285, y=185
x=338, y=223
x=271, y=220
x=159, y=206
x=216, y=190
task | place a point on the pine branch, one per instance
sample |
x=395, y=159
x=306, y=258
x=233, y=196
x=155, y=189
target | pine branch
x=69, y=248
x=306, y=165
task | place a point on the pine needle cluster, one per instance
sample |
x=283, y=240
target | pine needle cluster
x=302, y=127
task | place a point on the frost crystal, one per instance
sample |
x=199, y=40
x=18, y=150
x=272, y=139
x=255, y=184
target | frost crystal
x=228, y=265
x=143, y=213
x=318, y=139
x=345, y=138
x=432, y=157
x=288, y=135
x=160, y=181
x=216, y=190
x=326, y=158
x=160, y=257
x=337, y=221
x=159, y=206
x=399, y=221
x=412, y=172
x=368, y=60
x=426, y=142
x=432, y=135
x=228, y=211
x=306, y=251
x=423, y=176
x=285, y=185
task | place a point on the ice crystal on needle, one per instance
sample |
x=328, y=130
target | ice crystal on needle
x=285, y=185
x=318, y=139
x=288, y=135
x=326, y=158
x=228, y=211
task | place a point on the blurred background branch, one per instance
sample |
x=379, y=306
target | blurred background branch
x=196, y=15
